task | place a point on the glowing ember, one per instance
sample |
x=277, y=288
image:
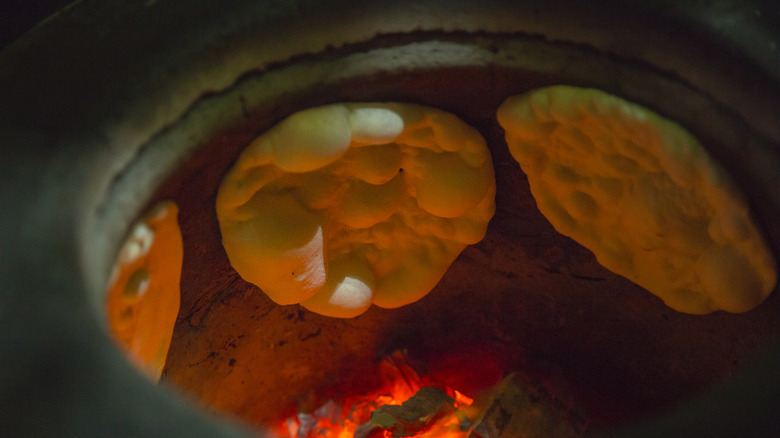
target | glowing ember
x=405, y=405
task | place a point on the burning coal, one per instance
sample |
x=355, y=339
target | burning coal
x=408, y=405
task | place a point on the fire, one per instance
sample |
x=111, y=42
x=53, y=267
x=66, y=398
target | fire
x=406, y=405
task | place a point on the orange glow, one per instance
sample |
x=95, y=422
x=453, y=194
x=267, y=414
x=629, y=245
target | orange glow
x=143, y=294
x=352, y=417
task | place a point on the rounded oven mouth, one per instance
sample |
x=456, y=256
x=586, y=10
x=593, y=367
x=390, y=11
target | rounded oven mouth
x=524, y=300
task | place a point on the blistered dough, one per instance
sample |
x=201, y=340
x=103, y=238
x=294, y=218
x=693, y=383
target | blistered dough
x=144, y=293
x=643, y=195
x=343, y=206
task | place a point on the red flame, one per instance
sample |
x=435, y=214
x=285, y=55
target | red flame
x=351, y=418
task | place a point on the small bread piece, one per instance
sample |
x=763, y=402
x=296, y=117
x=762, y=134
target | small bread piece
x=143, y=292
